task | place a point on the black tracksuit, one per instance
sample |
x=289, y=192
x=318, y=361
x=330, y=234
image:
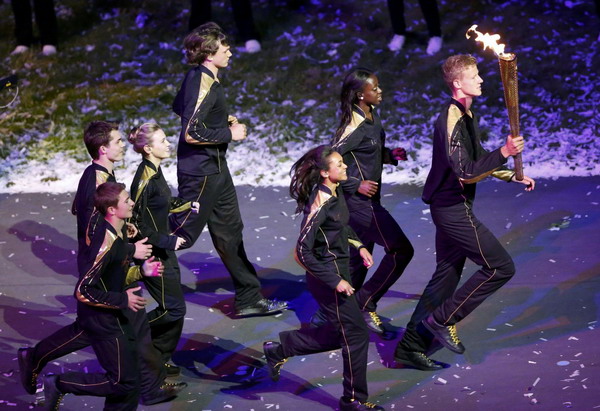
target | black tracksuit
x=152, y=369
x=459, y=161
x=101, y=323
x=322, y=249
x=362, y=146
x=83, y=205
x=203, y=176
x=153, y=202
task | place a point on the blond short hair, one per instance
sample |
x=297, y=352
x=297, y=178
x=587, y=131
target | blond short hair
x=455, y=65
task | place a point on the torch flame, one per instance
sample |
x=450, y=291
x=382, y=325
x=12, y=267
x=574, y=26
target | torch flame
x=488, y=40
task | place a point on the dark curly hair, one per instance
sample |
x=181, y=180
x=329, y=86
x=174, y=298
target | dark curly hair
x=203, y=41
x=306, y=174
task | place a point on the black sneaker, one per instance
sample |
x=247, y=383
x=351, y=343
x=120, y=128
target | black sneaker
x=274, y=360
x=262, y=307
x=356, y=405
x=28, y=377
x=52, y=395
x=166, y=392
x=416, y=360
x=318, y=319
x=172, y=370
x=446, y=335
x=373, y=321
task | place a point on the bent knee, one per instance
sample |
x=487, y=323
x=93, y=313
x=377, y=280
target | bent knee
x=127, y=386
x=507, y=269
x=403, y=251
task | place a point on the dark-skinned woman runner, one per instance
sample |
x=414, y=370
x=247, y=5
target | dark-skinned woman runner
x=360, y=139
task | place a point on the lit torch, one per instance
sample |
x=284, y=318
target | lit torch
x=508, y=73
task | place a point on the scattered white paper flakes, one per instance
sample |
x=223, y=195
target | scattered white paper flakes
x=441, y=381
x=426, y=211
x=571, y=338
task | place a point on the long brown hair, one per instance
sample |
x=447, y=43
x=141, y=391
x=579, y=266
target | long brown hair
x=306, y=174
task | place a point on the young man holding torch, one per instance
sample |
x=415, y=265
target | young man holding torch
x=459, y=162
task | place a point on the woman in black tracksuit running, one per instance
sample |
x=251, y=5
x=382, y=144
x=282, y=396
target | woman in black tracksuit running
x=360, y=139
x=323, y=251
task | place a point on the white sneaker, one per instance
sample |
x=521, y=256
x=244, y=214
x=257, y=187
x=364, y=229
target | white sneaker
x=253, y=46
x=48, y=50
x=434, y=45
x=20, y=49
x=397, y=42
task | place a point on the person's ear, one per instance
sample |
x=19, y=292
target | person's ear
x=324, y=173
x=147, y=149
x=111, y=211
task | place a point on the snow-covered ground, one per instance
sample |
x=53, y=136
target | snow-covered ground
x=290, y=111
x=251, y=164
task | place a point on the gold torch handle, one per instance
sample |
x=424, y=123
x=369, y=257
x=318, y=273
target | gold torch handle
x=508, y=73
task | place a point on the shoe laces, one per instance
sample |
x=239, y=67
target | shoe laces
x=369, y=404
x=169, y=385
x=279, y=364
x=375, y=318
x=426, y=358
x=58, y=401
x=453, y=334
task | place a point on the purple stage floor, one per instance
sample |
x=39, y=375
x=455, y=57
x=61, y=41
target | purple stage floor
x=532, y=344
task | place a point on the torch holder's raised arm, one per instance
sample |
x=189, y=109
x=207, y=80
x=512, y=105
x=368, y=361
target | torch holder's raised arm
x=508, y=73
